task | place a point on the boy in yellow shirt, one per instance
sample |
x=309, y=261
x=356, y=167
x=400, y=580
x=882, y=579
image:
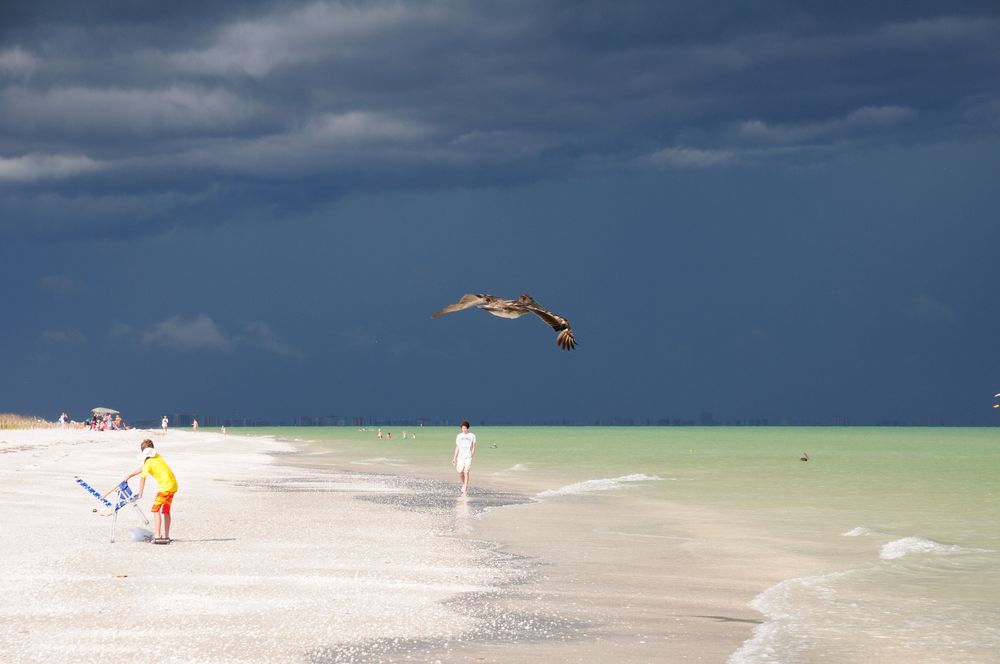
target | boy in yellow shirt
x=166, y=485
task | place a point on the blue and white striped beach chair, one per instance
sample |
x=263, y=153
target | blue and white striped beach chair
x=123, y=497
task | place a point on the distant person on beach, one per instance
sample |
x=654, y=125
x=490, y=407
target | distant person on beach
x=62, y=419
x=465, y=449
x=194, y=424
x=166, y=486
x=164, y=423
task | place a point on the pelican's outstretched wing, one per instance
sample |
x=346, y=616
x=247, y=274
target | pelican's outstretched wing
x=467, y=302
x=565, y=338
x=498, y=306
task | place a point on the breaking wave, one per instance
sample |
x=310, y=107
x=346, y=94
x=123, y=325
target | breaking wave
x=907, y=545
x=380, y=461
x=606, y=484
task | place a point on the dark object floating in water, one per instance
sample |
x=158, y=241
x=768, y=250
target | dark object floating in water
x=503, y=308
x=493, y=445
x=804, y=457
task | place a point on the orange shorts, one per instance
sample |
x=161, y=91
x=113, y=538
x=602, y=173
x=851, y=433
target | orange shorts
x=163, y=501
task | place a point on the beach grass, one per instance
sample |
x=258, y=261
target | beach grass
x=15, y=421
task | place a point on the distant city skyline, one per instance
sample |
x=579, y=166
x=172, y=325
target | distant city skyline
x=185, y=420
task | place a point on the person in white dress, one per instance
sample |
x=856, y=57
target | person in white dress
x=465, y=449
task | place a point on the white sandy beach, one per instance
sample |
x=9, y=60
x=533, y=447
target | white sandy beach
x=282, y=562
x=269, y=563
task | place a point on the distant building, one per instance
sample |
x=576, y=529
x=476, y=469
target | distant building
x=181, y=420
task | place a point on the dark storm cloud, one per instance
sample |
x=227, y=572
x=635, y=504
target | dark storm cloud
x=116, y=118
x=784, y=210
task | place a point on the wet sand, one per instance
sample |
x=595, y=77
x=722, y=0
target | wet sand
x=594, y=583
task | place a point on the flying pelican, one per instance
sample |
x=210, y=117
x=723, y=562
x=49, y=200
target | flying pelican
x=504, y=308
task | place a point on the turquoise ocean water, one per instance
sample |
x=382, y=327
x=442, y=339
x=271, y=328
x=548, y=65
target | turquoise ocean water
x=899, y=527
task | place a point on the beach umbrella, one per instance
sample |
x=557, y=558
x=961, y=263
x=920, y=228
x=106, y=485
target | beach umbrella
x=103, y=411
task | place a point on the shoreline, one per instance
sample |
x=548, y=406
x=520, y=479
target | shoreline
x=281, y=553
x=289, y=552
x=694, y=603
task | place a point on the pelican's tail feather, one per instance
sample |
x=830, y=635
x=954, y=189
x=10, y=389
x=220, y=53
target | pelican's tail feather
x=566, y=340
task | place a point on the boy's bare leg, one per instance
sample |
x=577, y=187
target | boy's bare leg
x=465, y=481
x=156, y=524
x=166, y=526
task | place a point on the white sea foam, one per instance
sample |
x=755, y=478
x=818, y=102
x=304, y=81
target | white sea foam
x=901, y=547
x=516, y=468
x=789, y=606
x=380, y=461
x=606, y=484
x=859, y=612
x=856, y=532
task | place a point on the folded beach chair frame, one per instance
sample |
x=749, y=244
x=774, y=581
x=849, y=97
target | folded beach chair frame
x=123, y=496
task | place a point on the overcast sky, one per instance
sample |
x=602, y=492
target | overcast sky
x=253, y=208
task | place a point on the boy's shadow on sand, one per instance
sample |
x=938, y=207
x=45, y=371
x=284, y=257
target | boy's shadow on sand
x=731, y=619
x=209, y=539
